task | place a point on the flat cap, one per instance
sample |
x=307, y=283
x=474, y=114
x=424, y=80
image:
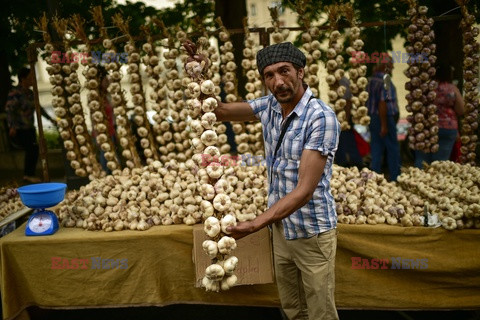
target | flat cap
x=281, y=52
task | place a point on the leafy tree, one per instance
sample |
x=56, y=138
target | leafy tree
x=378, y=38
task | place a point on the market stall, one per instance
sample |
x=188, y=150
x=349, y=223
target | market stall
x=155, y=268
x=126, y=237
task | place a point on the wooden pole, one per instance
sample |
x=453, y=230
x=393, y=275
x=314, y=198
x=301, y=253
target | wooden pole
x=32, y=59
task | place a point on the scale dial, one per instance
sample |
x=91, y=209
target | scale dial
x=40, y=223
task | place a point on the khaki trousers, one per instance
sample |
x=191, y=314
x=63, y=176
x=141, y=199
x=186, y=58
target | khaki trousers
x=305, y=274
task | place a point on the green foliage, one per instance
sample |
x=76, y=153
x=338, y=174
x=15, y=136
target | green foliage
x=52, y=138
x=17, y=21
x=189, y=14
x=378, y=38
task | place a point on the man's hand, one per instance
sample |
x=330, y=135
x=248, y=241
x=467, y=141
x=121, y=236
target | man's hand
x=193, y=54
x=241, y=230
x=12, y=132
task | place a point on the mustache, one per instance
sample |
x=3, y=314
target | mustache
x=282, y=89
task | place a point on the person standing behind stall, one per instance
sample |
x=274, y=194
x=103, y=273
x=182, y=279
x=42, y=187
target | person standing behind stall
x=347, y=154
x=301, y=207
x=450, y=106
x=20, y=109
x=383, y=111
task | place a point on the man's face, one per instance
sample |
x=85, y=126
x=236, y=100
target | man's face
x=283, y=80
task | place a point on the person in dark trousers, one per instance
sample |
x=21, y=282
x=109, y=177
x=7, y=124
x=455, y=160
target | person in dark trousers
x=383, y=110
x=301, y=136
x=20, y=109
x=347, y=154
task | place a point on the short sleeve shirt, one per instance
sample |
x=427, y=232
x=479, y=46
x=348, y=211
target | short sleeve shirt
x=445, y=102
x=377, y=93
x=314, y=127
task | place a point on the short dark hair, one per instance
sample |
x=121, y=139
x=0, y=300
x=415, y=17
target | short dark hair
x=23, y=73
x=444, y=72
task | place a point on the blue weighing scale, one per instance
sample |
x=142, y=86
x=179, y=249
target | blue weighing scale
x=40, y=196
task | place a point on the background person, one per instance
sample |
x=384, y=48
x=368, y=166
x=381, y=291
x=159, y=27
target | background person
x=383, y=111
x=20, y=109
x=450, y=106
x=347, y=154
x=301, y=207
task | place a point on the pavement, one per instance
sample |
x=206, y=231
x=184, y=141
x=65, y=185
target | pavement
x=209, y=312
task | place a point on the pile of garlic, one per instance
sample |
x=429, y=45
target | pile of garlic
x=423, y=133
x=366, y=197
x=451, y=189
x=470, y=73
x=135, y=199
x=9, y=202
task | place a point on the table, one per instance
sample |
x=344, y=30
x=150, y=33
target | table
x=155, y=268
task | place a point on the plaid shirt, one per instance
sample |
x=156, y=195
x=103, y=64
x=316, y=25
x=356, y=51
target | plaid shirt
x=377, y=93
x=315, y=127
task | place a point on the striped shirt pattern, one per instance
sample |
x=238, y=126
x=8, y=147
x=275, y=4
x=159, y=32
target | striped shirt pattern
x=314, y=127
x=377, y=93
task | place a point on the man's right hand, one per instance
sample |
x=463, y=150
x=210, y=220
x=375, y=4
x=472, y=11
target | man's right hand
x=193, y=54
x=12, y=132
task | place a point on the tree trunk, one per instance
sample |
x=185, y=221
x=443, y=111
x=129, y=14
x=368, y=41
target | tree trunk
x=4, y=80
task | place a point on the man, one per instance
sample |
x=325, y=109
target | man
x=383, y=111
x=20, y=109
x=301, y=207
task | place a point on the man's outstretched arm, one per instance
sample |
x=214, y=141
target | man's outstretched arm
x=235, y=111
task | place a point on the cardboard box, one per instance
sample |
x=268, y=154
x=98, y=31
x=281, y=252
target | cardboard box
x=254, y=253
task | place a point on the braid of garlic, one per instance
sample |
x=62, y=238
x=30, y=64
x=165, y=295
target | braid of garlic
x=357, y=71
x=213, y=185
